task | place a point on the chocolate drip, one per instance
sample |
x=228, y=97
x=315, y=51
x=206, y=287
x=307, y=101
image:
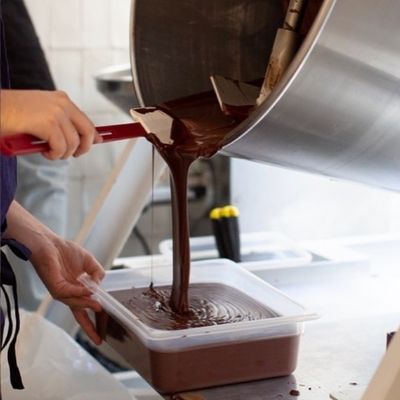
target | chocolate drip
x=199, y=129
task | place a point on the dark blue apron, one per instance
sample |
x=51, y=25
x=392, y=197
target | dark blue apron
x=8, y=184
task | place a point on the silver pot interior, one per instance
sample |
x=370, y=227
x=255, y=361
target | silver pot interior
x=175, y=48
x=335, y=112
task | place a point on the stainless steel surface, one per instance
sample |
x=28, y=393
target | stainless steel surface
x=175, y=48
x=340, y=351
x=286, y=45
x=337, y=110
x=337, y=361
x=115, y=83
x=293, y=13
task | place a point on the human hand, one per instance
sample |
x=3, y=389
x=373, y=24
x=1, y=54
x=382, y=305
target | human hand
x=58, y=264
x=50, y=116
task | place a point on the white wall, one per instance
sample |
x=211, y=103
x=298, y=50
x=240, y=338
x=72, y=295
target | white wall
x=79, y=38
x=306, y=206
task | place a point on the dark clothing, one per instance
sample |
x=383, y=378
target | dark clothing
x=7, y=164
x=28, y=70
x=8, y=185
x=28, y=65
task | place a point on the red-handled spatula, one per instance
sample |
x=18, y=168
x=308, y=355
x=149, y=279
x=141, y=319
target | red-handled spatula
x=151, y=120
x=22, y=144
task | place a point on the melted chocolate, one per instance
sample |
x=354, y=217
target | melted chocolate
x=210, y=304
x=200, y=132
x=199, y=129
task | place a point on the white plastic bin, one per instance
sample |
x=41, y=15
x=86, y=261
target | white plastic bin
x=258, y=249
x=187, y=359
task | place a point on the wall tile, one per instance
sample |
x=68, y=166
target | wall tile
x=95, y=25
x=93, y=61
x=39, y=11
x=66, y=66
x=121, y=56
x=66, y=24
x=120, y=16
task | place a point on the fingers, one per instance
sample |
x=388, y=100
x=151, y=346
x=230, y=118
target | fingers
x=97, y=276
x=68, y=289
x=93, y=268
x=68, y=130
x=71, y=136
x=64, y=138
x=74, y=295
x=81, y=302
x=83, y=127
x=57, y=144
x=83, y=320
x=87, y=131
x=98, y=138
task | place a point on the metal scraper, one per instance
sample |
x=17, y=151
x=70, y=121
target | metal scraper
x=237, y=98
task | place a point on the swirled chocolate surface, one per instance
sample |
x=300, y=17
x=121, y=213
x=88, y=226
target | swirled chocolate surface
x=209, y=304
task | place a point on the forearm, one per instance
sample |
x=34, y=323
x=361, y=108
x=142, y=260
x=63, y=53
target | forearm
x=24, y=227
x=58, y=263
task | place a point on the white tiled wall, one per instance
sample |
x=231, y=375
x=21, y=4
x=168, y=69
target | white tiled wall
x=80, y=37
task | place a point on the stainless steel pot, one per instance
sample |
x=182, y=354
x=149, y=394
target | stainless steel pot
x=336, y=111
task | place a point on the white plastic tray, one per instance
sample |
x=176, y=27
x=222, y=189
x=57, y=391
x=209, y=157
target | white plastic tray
x=290, y=320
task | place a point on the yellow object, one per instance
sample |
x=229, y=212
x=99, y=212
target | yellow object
x=229, y=211
x=215, y=213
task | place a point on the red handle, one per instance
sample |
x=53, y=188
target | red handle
x=16, y=145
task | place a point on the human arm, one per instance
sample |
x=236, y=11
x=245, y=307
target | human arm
x=58, y=263
x=48, y=115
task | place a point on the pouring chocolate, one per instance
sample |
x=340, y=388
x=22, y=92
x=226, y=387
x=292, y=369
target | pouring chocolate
x=197, y=128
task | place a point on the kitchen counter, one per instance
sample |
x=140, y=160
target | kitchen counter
x=339, y=352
